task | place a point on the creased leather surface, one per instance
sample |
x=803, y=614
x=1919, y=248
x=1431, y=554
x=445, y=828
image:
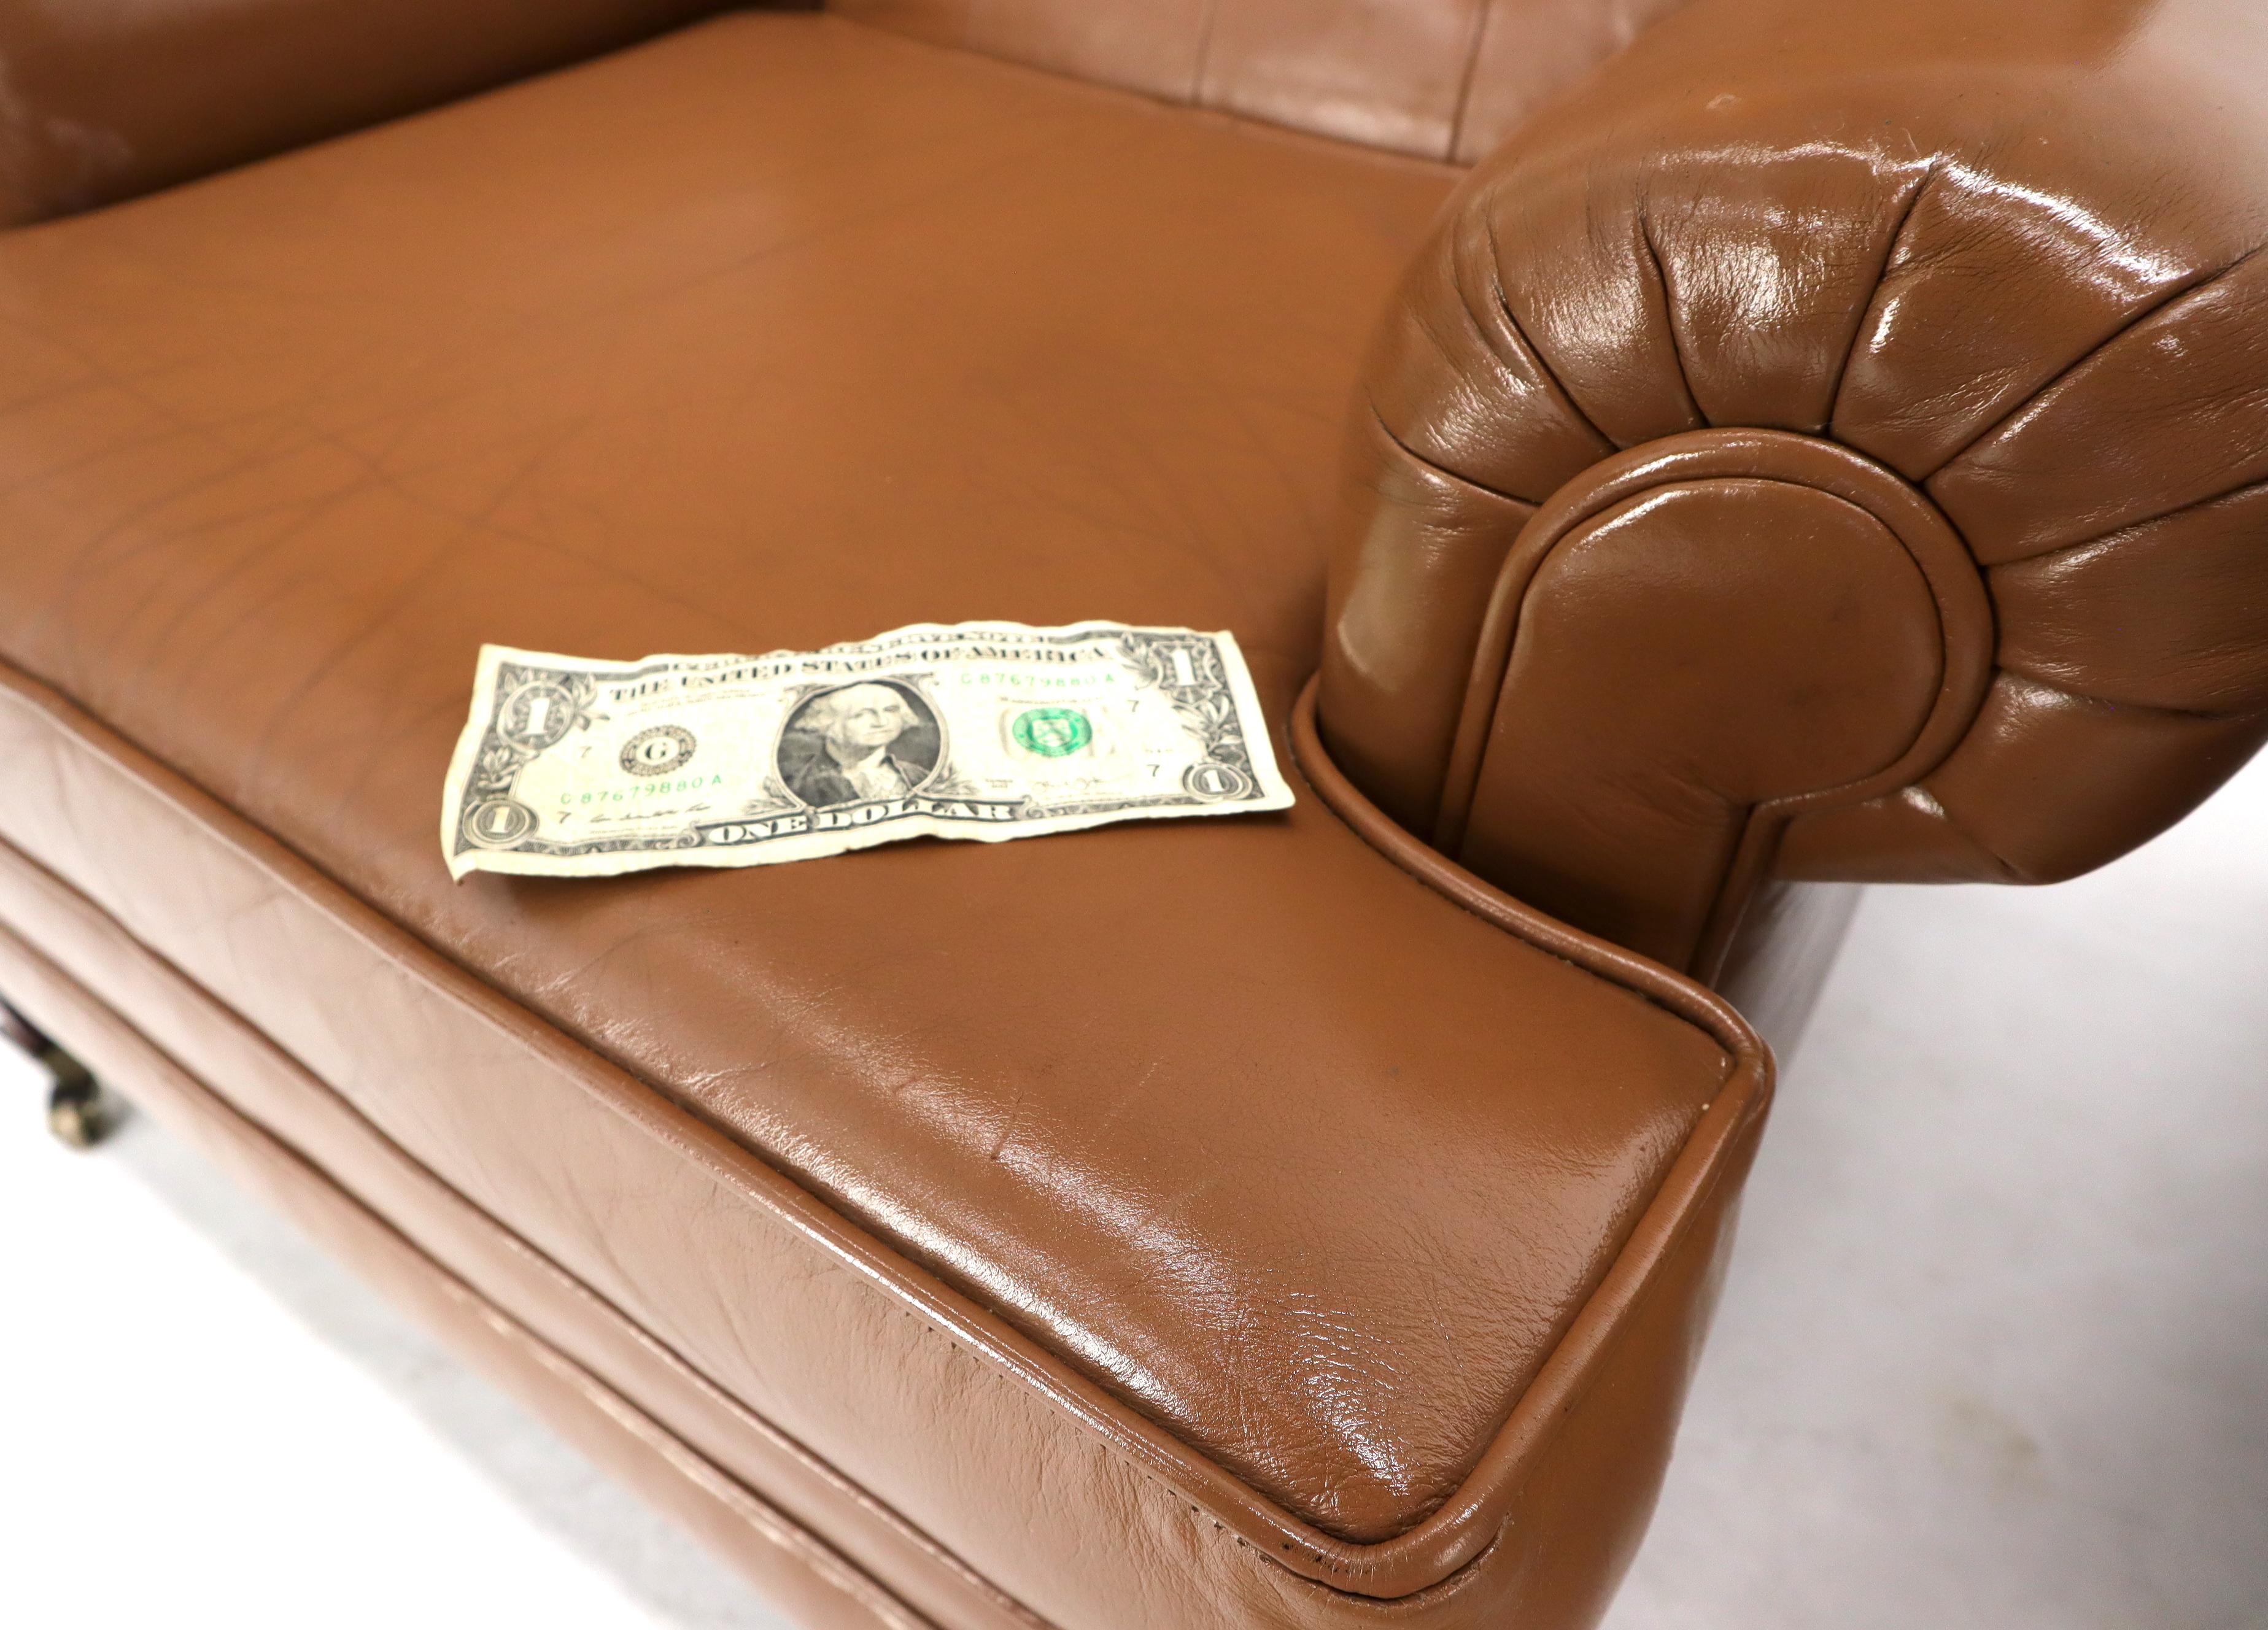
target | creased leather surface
x=2010, y=251
x=776, y=332
x=100, y=99
x=997, y=1452
x=1438, y=79
x=1584, y=1495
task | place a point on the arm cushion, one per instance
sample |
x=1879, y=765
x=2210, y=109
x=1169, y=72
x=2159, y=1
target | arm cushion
x=100, y=99
x=2001, y=263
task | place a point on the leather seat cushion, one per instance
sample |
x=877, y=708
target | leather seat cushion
x=771, y=333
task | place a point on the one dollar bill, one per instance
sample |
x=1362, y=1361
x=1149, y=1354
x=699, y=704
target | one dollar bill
x=574, y=768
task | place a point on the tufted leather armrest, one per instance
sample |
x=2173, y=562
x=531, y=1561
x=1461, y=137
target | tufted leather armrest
x=1834, y=445
x=100, y=99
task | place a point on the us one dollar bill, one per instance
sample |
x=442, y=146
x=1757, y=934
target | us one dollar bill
x=575, y=768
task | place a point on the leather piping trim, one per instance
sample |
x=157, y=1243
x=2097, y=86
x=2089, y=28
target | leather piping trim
x=1665, y=987
x=1964, y=614
x=21, y=954
x=1739, y=1104
x=188, y=1100
x=1467, y=1524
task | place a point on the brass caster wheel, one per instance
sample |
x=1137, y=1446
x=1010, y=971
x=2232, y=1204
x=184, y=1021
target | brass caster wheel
x=77, y=1112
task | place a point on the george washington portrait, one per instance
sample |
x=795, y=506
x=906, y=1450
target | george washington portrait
x=858, y=743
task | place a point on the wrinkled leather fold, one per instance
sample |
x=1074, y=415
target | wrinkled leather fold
x=2013, y=257
x=1143, y=1229
x=805, y=1289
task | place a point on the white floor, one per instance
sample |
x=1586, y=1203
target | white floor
x=1994, y=1353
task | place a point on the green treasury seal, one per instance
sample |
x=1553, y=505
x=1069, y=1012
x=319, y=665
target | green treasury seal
x=1052, y=732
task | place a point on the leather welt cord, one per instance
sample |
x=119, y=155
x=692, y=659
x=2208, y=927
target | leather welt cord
x=1486, y=1509
x=1665, y=987
x=1616, y=488
x=1475, y=1517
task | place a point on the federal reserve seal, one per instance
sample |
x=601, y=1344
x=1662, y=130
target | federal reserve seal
x=659, y=751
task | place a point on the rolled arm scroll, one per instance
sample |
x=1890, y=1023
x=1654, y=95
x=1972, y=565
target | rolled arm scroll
x=1988, y=277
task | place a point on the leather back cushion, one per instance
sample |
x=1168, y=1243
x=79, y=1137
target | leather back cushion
x=101, y=99
x=1439, y=79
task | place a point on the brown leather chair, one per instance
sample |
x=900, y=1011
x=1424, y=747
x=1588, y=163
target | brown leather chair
x=1800, y=442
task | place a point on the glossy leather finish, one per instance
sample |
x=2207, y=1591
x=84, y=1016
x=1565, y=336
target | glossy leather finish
x=462, y=1293
x=948, y=1163
x=1799, y=631
x=1840, y=461
x=300, y=1140
x=100, y=99
x=922, y=1400
x=1438, y=79
x=103, y=100
x=2006, y=255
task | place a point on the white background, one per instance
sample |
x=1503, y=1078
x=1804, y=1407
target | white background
x=1993, y=1354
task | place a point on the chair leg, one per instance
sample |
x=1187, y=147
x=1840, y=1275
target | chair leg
x=18, y=1029
x=77, y=1112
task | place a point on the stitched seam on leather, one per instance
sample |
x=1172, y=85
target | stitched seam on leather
x=2242, y=489
x=1670, y=315
x=1503, y=304
x=1760, y=1099
x=2173, y=294
x=1875, y=297
x=1679, y=1232
x=1482, y=16
x=1625, y=505
x=1945, y=642
x=1324, y=1587
x=572, y=1283
x=1468, y=749
x=1622, y=979
x=1441, y=470
x=1203, y=61
x=2056, y=687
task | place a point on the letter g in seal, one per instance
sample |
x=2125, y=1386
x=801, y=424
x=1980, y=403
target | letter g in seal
x=659, y=751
